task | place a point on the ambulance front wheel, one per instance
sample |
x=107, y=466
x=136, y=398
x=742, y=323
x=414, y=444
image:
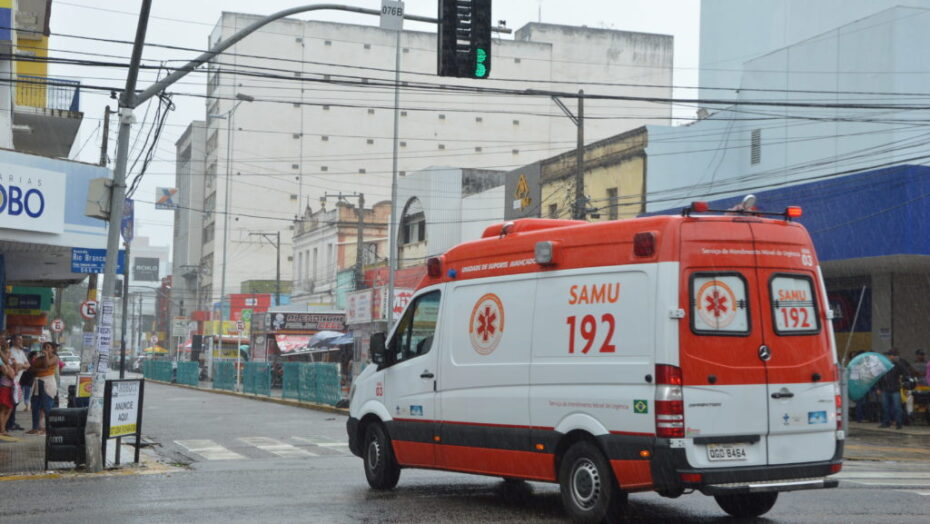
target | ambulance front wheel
x=589, y=491
x=749, y=505
x=381, y=468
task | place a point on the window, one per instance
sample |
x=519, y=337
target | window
x=613, y=204
x=755, y=147
x=414, y=334
x=553, y=210
x=794, y=305
x=719, y=304
x=314, y=271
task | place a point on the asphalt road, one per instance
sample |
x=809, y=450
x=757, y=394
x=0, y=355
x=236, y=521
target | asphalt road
x=246, y=460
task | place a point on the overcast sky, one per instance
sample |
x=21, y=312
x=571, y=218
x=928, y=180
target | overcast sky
x=186, y=23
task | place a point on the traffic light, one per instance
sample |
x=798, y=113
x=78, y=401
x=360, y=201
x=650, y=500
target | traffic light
x=464, y=38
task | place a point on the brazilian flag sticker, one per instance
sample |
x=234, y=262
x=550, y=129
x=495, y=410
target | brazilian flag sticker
x=640, y=406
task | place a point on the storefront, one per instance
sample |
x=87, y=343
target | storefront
x=42, y=204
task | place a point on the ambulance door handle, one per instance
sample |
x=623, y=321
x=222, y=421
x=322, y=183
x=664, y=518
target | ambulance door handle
x=426, y=374
x=777, y=395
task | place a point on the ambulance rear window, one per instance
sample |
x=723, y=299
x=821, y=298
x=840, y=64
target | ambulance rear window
x=719, y=305
x=794, y=305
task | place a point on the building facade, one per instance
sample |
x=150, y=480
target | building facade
x=321, y=117
x=187, y=244
x=325, y=244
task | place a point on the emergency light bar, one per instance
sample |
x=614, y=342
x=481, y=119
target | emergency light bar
x=703, y=207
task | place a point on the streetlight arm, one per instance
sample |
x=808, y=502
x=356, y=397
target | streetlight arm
x=206, y=56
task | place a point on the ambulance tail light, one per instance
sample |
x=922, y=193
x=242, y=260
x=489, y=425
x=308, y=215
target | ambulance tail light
x=838, y=396
x=644, y=244
x=434, y=267
x=670, y=405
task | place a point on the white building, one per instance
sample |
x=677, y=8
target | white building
x=322, y=118
x=736, y=31
x=440, y=207
x=730, y=152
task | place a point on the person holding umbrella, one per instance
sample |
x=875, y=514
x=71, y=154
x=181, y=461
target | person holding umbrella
x=890, y=387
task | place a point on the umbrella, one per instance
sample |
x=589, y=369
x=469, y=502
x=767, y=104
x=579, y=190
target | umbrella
x=323, y=338
x=864, y=371
x=342, y=340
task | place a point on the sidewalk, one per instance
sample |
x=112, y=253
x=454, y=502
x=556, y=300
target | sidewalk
x=276, y=396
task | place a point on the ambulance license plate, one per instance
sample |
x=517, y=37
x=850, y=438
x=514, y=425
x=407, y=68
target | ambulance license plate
x=719, y=452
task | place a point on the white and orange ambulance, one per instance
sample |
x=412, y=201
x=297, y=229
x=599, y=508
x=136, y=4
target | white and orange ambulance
x=666, y=353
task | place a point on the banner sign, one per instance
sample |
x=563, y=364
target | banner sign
x=358, y=307
x=124, y=398
x=303, y=322
x=164, y=198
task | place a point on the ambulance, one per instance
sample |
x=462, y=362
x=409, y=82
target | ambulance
x=668, y=353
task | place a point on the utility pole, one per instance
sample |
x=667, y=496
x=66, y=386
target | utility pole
x=579, y=209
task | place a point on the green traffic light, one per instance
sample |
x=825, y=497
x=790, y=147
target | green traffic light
x=481, y=56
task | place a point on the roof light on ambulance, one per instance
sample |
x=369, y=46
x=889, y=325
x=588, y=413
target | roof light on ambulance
x=434, y=267
x=793, y=212
x=700, y=207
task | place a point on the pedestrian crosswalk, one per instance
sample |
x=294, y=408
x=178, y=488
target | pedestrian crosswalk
x=244, y=448
x=887, y=476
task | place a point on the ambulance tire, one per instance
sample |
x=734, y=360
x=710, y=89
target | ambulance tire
x=749, y=505
x=381, y=469
x=589, y=490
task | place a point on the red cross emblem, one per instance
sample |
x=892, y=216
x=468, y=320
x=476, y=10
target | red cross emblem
x=486, y=324
x=717, y=303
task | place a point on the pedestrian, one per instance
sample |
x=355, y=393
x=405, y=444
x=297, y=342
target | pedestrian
x=45, y=388
x=20, y=364
x=890, y=387
x=7, y=375
x=27, y=379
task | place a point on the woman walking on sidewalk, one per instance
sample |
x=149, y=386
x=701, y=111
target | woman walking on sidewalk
x=7, y=376
x=44, y=389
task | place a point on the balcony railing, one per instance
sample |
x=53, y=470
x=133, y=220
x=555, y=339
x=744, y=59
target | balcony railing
x=49, y=93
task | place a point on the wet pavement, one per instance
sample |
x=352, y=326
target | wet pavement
x=866, y=441
x=236, y=459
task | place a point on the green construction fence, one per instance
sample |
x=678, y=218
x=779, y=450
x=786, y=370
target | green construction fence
x=224, y=375
x=256, y=378
x=188, y=373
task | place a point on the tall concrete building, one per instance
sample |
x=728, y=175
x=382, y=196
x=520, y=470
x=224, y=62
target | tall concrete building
x=190, y=181
x=303, y=108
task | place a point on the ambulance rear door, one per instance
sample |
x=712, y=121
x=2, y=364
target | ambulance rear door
x=800, y=362
x=724, y=380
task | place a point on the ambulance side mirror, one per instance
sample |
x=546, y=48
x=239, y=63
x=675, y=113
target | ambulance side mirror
x=376, y=350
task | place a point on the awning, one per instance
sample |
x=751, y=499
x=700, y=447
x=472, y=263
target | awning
x=291, y=343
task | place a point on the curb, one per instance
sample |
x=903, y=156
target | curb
x=282, y=401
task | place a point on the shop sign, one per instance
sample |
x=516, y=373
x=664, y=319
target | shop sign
x=307, y=322
x=23, y=304
x=145, y=269
x=32, y=199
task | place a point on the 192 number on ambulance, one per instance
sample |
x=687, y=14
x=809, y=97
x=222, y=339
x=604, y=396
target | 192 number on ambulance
x=587, y=329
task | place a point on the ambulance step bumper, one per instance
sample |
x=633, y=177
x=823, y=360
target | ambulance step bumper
x=772, y=485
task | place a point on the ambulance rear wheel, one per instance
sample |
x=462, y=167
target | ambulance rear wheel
x=381, y=469
x=748, y=505
x=590, y=493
